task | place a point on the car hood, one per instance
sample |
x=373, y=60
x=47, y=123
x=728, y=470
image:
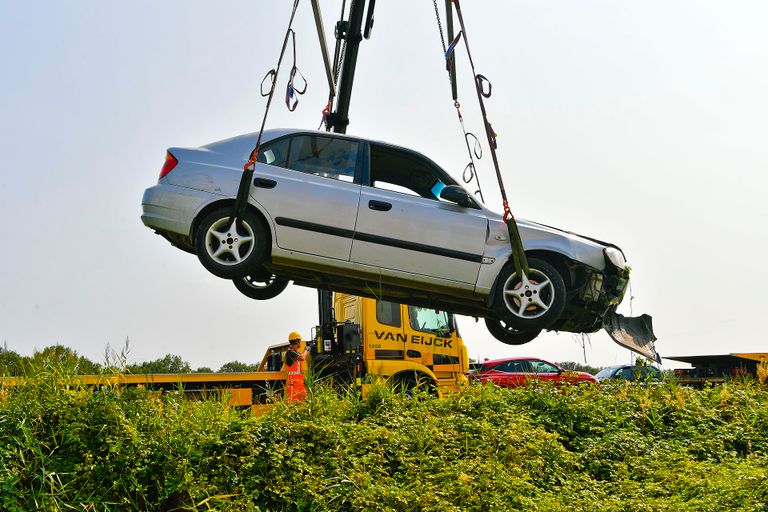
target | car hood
x=582, y=375
x=546, y=238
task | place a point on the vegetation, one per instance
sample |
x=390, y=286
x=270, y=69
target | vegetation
x=578, y=367
x=613, y=448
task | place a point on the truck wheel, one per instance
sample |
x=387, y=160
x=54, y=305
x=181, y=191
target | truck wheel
x=410, y=383
x=508, y=334
x=261, y=285
x=230, y=249
x=532, y=302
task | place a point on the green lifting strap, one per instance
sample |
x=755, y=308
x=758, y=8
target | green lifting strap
x=516, y=243
x=241, y=202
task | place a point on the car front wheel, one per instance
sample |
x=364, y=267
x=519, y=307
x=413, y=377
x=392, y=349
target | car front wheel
x=230, y=248
x=532, y=302
x=261, y=285
x=508, y=334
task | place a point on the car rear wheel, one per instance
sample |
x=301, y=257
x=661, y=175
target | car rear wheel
x=261, y=285
x=531, y=302
x=507, y=334
x=230, y=248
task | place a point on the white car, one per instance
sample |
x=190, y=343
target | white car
x=373, y=219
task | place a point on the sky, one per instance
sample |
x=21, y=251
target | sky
x=643, y=123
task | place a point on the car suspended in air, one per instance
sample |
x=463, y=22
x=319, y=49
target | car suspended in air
x=358, y=216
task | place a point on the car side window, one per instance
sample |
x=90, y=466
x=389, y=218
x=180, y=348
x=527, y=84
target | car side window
x=543, y=367
x=323, y=156
x=512, y=367
x=404, y=172
x=502, y=367
x=274, y=153
x=388, y=313
x=626, y=373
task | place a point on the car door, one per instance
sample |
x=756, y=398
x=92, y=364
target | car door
x=402, y=224
x=512, y=374
x=310, y=186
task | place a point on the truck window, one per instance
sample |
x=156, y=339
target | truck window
x=388, y=313
x=428, y=320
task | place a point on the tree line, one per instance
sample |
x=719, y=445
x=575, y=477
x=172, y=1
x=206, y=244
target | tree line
x=13, y=364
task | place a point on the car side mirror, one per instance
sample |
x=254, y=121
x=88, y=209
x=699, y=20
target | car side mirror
x=456, y=194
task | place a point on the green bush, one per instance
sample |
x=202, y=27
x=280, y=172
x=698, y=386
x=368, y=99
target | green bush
x=618, y=448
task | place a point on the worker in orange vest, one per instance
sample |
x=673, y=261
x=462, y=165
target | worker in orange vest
x=295, y=389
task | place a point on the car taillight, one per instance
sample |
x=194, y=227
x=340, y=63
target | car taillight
x=170, y=163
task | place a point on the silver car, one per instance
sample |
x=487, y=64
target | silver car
x=373, y=219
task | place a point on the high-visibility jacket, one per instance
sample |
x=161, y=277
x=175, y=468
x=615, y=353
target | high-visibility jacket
x=294, y=385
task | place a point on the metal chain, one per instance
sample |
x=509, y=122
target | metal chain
x=439, y=25
x=337, y=64
x=470, y=171
x=442, y=37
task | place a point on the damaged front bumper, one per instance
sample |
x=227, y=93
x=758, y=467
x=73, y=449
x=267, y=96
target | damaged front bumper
x=634, y=333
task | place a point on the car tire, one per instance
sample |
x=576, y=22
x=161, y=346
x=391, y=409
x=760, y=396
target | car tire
x=532, y=305
x=261, y=285
x=508, y=334
x=230, y=250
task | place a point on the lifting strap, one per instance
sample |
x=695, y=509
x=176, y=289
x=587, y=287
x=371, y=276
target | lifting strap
x=470, y=171
x=290, y=90
x=483, y=88
x=245, y=180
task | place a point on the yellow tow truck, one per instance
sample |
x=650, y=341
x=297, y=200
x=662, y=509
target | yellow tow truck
x=358, y=340
x=362, y=338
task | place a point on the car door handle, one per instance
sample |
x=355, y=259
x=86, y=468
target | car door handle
x=379, y=205
x=264, y=183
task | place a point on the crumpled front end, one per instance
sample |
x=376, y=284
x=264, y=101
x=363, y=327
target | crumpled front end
x=634, y=333
x=597, y=299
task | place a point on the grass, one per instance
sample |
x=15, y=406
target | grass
x=615, y=448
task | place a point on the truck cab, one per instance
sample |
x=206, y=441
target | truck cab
x=413, y=347
x=361, y=338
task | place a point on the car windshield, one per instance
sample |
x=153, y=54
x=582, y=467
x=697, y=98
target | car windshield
x=604, y=374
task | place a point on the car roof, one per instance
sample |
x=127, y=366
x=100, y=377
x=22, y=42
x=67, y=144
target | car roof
x=275, y=133
x=504, y=360
x=619, y=366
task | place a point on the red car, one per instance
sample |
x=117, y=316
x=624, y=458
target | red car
x=518, y=371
